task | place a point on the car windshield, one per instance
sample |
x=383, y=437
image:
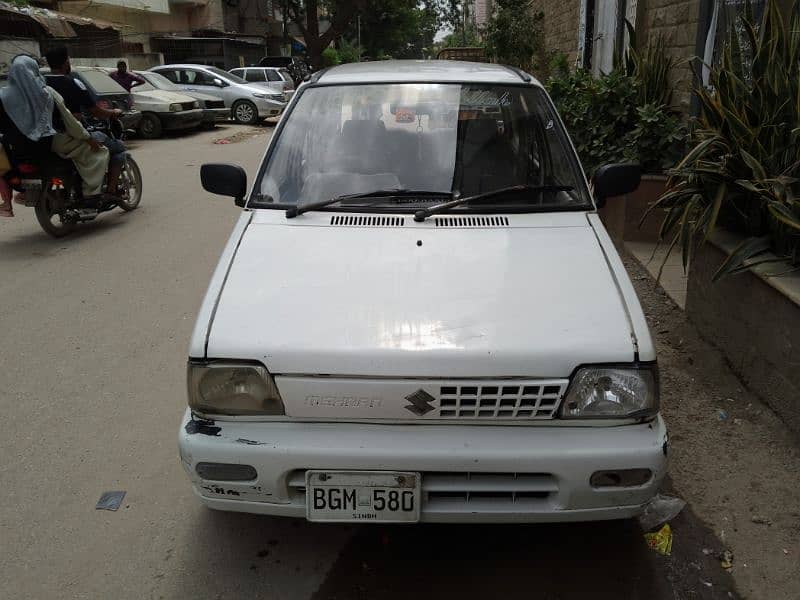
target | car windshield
x=101, y=82
x=225, y=75
x=158, y=81
x=465, y=139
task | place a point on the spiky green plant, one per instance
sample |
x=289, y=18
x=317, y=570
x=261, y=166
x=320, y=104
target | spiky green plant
x=743, y=165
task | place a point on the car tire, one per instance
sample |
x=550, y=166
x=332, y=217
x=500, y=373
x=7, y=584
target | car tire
x=245, y=112
x=150, y=126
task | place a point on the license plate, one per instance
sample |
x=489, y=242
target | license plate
x=371, y=496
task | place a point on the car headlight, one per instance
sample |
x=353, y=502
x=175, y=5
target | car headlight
x=612, y=392
x=176, y=107
x=259, y=95
x=233, y=389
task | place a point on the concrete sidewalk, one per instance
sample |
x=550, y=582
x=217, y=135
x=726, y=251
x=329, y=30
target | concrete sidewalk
x=673, y=277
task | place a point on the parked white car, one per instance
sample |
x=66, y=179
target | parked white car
x=164, y=110
x=247, y=102
x=448, y=334
x=214, y=110
x=274, y=78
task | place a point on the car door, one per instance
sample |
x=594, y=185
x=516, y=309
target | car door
x=201, y=81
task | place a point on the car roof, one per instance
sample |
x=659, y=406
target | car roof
x=182, y=66
x=433, y=71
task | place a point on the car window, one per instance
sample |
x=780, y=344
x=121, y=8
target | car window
x=172, y=75
x=273, y=75
x=287, y=77
x=465, y=138
x=196, y=77
x=237, y=72
x=254, y=75
x=101, y=82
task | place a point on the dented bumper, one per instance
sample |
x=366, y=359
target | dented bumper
x=562, y=459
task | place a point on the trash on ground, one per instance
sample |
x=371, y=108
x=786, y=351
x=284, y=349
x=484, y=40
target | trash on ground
x=708, y=584
x=786, y=551
x=659, y=510
x=722, y=415
x=760, y=520
x=661, y=540
x=726, y=559
x=707, y=551
x=223, y=141
x=110, y=501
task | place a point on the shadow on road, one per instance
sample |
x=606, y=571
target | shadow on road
x=593, y=561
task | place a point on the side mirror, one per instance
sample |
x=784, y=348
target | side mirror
x=225, y=180
x=218, y=82
x=615, y=180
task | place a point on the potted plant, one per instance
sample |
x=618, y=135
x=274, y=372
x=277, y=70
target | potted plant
x=742, y=169
x=624, y=116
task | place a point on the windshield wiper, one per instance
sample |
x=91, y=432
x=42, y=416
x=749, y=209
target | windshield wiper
x=390, y=193
x=424, y=213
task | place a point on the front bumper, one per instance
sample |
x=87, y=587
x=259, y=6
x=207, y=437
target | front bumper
x=564, y=459
x=216, y=115
x=268, y=108
x=184, y=119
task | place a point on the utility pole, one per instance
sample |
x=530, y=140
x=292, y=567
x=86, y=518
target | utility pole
x=359, y=38
x=465, y=10
x=286, y=46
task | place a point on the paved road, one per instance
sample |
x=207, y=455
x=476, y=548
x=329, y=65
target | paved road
x=94, y=331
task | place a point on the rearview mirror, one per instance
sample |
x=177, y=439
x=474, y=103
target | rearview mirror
x=225, y=180
x=615, y=180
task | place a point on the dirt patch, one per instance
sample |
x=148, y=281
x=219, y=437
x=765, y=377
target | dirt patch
x=242, y=135
x=731, y=458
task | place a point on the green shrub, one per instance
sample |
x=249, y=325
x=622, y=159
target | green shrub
x=330, y=57
x=608, y=123
x=743, y=165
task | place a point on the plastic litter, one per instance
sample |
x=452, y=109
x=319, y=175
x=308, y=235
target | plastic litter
x=722, y=415
x=110, y=501
x=659, y=510
x=760, y=520
x=726, y=559
x=661, y=540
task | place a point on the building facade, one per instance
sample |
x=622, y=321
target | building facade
x=590, y=32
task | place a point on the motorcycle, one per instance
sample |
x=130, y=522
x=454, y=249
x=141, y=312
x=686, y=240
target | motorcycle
x=53, y=187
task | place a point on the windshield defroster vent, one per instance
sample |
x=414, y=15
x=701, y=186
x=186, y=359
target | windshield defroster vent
x=475, y=222
x=367, y=221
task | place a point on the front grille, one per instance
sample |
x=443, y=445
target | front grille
x=187, y=105
x=215, y=104
x=365, y=221
x=467, y=491
x=528, y=400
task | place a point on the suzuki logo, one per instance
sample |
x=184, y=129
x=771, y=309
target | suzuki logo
x=420, y=402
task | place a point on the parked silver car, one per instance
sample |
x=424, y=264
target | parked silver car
x=275, y=78
x=247, y=102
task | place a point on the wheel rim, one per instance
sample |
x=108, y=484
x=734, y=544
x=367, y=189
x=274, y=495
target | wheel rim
x=244, y=112
x=54, y=216
x=148, y=127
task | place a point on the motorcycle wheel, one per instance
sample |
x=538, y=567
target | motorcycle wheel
x=48, y=213
x=131, y=178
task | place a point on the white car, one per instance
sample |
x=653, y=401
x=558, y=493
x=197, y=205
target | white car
x=274, y=78
x=164, y=110
x=447, y=332
x=248, y=103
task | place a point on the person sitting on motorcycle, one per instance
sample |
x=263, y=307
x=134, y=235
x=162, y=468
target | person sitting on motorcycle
x=80, y=100
x=34, y=120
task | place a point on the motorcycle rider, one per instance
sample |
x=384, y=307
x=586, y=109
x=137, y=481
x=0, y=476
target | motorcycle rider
x=79, y=99
x=34, y=120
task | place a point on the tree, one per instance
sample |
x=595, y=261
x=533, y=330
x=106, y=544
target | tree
x=514, y=36
x=396, y=28
x=305, y=14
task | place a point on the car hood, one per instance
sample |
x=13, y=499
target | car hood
x=159, y=96
x=531, y=295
